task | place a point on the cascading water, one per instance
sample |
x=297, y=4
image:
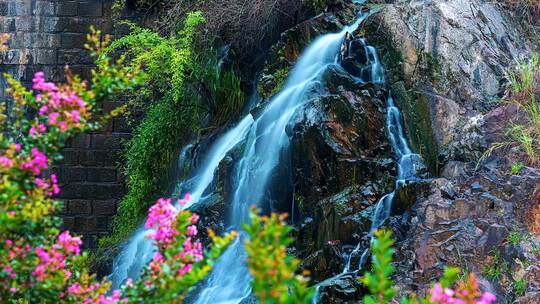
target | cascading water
x=408, y=163
x=264, y=139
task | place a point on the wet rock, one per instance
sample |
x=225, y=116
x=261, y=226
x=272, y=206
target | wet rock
x=344, y=288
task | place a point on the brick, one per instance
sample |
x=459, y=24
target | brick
x=70, y=56
x=98, y=191
x=79, y=207
x=108, y=141
x=66, y=8
x=100, y=157
x=72, y=40
x=68, y=174
x=17, y=56
x=93, y=8
x=104, y=207
x=25, y=24
x=43, y=40
x=20, y=8
x=44, y=8
x=44, y=56
x=120, y=125
x=4, y=9
x=81, y=141
x=101, y=175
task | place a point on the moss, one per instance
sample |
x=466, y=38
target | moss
x=274, y=83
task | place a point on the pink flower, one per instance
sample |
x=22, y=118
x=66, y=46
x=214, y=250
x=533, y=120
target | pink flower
x=69, y=244
x=194, y=218
x=192, y=230
x=6, y=162
x=487, y=298
x=38, y=83
x=53, y=117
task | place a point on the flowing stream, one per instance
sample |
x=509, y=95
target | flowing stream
x=263, y=139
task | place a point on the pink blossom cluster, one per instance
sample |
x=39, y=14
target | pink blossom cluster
x=36, y=162
x=53, y=186
x=162, y=217
x=54, y=259
x=442, y=295
x=16, y=251
x=85, y=294
x=62, y=106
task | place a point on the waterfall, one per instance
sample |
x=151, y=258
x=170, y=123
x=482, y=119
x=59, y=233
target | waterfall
x=263, y=139
x=408, y=163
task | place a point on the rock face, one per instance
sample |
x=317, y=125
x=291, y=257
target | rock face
x=478, y=220
x=447, y=62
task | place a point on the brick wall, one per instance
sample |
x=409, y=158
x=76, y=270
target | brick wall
x=45, y=36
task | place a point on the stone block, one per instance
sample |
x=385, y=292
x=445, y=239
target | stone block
x=25, y=24
x=72, y=40
x=100, y=158
x=43, y=40
x=69, y=223
x=66, y=8
x=16, y=40
x=17, y=57
x=98, y=191
x=108, y=141
x=82, y=24
x=101, y=174
x=79, y=142
x=120, y=125
x=70, y=56
x=68, y=174
x=4, y=9
x=20, y=8
x=90, y=8
x=7, y=24
x=53, y=24
x=79, y=207
x=104, y=207
x=70, y=157
x=44, y=8
x=44, y=56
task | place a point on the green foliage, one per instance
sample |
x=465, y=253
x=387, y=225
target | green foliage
x=187, y=86
x=273, y=269
x=148, y=160
x=520, y=286
x=378, y=281
x=496, y=266
x=515, y=238
x=516, y=168
x=165, y=59
x=524, y=88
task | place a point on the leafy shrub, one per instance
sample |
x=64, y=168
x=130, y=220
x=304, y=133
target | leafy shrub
x=198, y=88
x=38, y=263
x=524, y=89
x=273, y=269
x=249, y=26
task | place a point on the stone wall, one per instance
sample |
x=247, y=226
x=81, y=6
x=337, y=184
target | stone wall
x=45, y=36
